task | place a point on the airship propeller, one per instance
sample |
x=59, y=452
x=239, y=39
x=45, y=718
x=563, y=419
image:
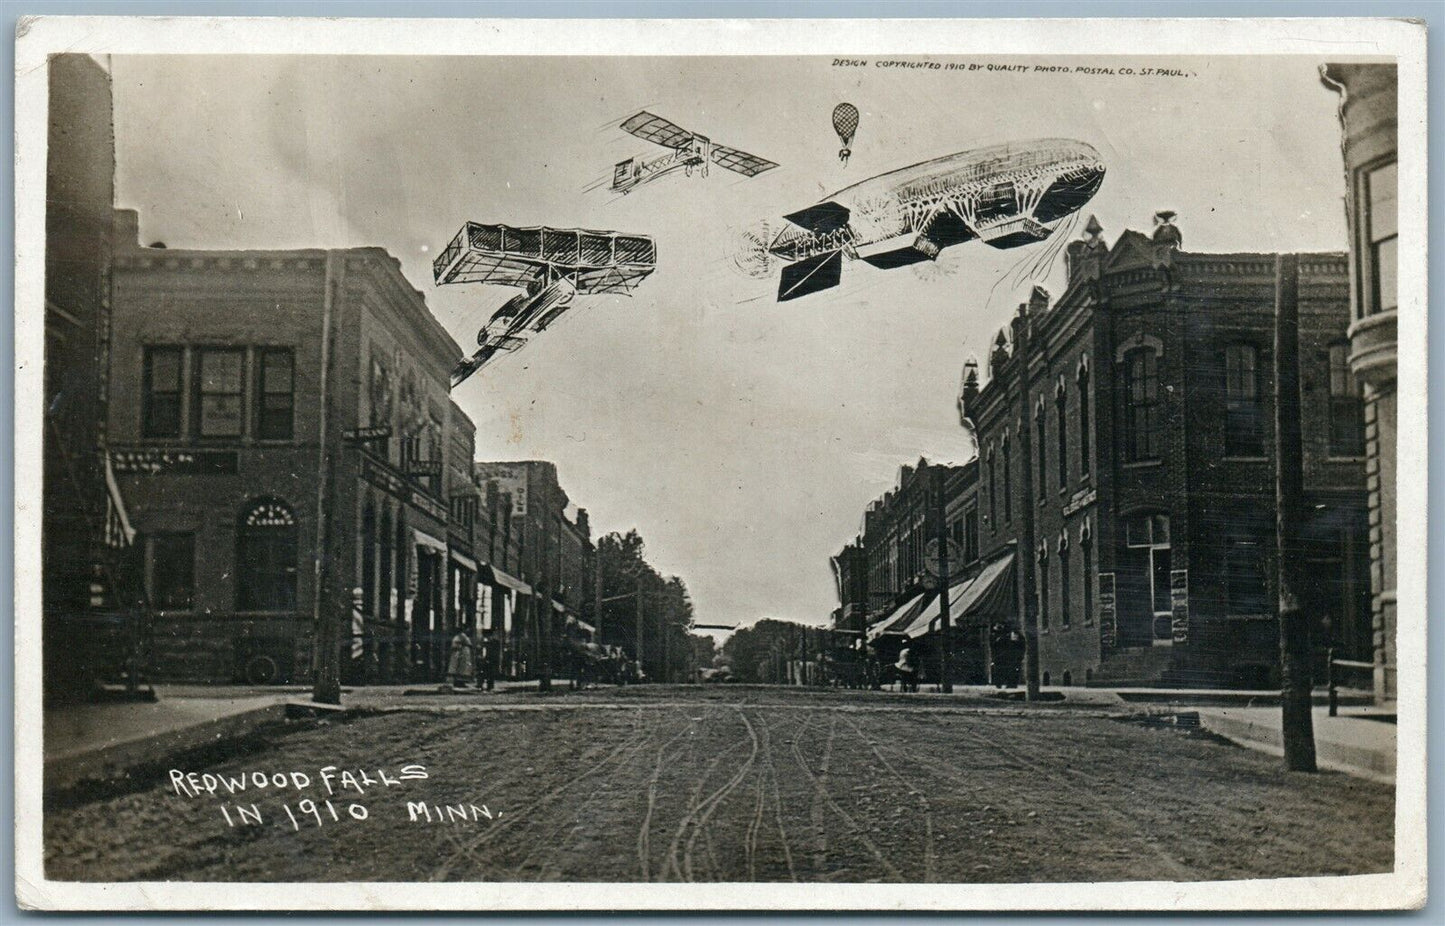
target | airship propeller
x=845, y=123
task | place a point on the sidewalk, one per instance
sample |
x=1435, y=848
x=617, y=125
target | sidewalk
x=1359, y=742
x=85, y=742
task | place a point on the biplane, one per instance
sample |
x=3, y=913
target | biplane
x=550, y=265
x=1006, y=196
x=689, y=150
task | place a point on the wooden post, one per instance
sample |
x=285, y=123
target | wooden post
x=1294, y=620
x=945, y=622
x=1026, y=550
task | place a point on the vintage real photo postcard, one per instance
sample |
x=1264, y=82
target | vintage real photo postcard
x=565, y=465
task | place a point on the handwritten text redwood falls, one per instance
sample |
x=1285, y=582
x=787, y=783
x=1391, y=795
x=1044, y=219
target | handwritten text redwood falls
x=330, y=796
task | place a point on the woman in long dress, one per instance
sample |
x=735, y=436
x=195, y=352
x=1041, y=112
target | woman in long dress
x=459, y=663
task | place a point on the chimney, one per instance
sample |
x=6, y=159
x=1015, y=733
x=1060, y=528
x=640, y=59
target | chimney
x=1038, y=302
x=999, y=355
x=125, y=229
x=1086, y=254
x=1166, y=234
x=584, y=525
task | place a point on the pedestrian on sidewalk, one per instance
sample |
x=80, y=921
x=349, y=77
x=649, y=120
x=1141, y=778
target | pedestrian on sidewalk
x=460, y=661
x=486, y=653
x=907, y=668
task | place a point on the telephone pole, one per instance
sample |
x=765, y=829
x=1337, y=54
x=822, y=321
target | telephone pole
x=1294, y=620
x=945, y=622
x=1026, y=550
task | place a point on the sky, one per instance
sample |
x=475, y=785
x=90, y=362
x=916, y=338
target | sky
x=741, y=436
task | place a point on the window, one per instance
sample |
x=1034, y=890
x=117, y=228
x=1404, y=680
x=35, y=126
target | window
x=275, y=394
x=1065, y=605
x=218, y=389
x=171, y=570
x=1147, y=565
x=970, y=535
x=1141, y=395
x=1243, y=426
x=1084, y=436
x=1043, y=588
x=1381, y=195
x=1043, y=454
x=992, y=495
x=1008, y=482
x=384, y=582
x=1347, y=410
x=1086, y=553
x=1060, y=401
x=368, y=562
x=1246, y=584
x=266, y=558
x=161, y=412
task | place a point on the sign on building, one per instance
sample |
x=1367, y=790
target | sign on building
x=1108, y=622
x=1179, y=604
x=513, y=481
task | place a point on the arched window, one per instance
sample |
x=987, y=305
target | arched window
x=992, y=494
x=266, y=557
x=1141, y=397
x=1008, y=481
x=1042, y=439
x=1061, y=407
x=1084, y=436
x=1044, y=586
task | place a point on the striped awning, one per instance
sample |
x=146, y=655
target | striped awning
x=901, y=616
x=494, y=576
x=987, y=594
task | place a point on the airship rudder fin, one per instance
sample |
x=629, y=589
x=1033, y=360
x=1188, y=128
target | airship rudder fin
x=820, y=219
x=811, y=275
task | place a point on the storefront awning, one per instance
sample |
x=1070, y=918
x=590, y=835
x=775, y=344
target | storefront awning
x=427, y=540
x=987, y=594
x=465, y=560
x=494, y=576
x=901, y=616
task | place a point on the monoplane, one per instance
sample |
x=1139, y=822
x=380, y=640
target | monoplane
x=1005, y=195
x=689, y=150
x=550, y=265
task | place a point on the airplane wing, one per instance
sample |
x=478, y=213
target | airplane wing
x=749, y=165
x=657, y=130
x=822, y=218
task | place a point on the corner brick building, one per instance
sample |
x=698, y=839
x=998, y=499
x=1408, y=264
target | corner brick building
x=1125, y=476
x=240, y=384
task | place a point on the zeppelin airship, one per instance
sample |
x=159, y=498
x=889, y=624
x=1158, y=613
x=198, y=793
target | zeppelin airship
x=1005, y=195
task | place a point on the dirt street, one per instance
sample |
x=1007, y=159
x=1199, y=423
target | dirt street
x=736, y=785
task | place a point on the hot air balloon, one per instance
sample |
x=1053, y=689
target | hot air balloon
x=845, y=123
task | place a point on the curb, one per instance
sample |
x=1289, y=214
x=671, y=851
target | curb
x=1337, y=757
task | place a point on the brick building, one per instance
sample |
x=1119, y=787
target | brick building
x=1122, y=499
x=1126, y=435
x=89, y=589
x=1370, y=124
x=281, y=427
x=549, y=597
x=887, y=592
